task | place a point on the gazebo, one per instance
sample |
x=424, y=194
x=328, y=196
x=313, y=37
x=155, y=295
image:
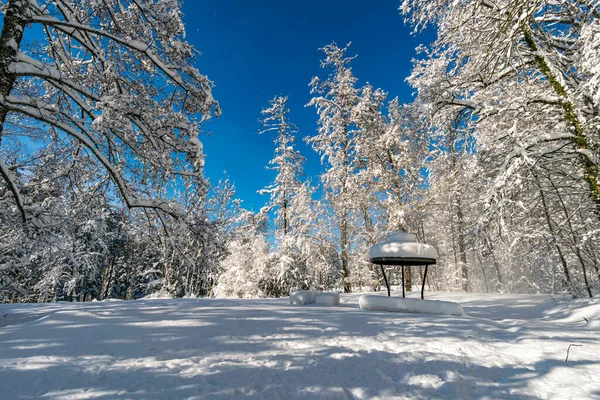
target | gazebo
x=403, y=249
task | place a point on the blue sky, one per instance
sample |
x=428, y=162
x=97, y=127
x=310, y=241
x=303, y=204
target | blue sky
x=254, y=50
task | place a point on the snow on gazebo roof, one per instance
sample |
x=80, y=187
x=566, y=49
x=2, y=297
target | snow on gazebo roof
x=403, y=246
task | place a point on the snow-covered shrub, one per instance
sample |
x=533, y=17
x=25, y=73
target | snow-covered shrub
x=244, y=269
x=287, y=272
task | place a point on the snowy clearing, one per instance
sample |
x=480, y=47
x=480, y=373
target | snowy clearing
x=505, y=346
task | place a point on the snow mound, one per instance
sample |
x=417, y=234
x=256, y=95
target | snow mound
x=582, y=312
x=403, y=249
x=161, y=294
x=328, y=299
x=381, y=303
x=303, y=297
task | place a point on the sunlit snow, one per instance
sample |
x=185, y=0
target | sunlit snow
x=505, y=346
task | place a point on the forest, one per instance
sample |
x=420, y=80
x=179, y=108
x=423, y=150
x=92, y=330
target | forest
x=495, y=162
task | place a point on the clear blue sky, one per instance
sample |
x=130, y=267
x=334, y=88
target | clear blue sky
x=254, y=50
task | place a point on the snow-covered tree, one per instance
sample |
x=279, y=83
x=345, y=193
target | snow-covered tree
x=322, y=253
x=287, y=163
x=520, y=71
x=291, y=200
x=335, y=99
x=245, y=271
x=64, y=257
x=113, y=79
x=394, y=151
x=517, y=76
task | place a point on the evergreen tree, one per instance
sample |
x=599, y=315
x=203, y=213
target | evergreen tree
x=335, y=99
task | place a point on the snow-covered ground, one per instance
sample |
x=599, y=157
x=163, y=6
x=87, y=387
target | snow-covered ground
x=506, y=346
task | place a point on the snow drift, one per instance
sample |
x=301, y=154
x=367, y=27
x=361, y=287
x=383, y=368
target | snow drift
x=303, y=297
x=328, y=299
x=380, y=303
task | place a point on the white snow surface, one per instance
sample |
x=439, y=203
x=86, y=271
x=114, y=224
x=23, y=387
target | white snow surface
x=403, y=249
x=506, y=346
x=381, y=303
x=328, y=299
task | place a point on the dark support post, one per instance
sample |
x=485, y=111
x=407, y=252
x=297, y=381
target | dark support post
x=387, y=285
x=423, y=284
x=403, y=291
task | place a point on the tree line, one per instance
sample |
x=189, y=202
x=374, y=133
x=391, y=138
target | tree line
x=494, y=162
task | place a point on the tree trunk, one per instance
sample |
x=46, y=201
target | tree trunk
x=10, y=43
x=555, y=239
x=597, y=268
x=285, y=216
x=344, y=248
x=576, y=250
x=590, y=169
x=487, y=289
x=371, y=241
x=462, y=248
x=490, y=248
x=344, y=222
